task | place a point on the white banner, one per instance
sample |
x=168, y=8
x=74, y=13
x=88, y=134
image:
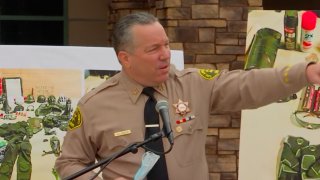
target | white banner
x=39, y=88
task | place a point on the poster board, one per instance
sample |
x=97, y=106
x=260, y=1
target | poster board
x=265, y=130
x=45, y=84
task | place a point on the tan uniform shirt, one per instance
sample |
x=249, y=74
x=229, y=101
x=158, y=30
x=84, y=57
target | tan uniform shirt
x=117, y=105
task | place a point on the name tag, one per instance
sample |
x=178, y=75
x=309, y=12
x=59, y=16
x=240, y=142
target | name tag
x=122, y=133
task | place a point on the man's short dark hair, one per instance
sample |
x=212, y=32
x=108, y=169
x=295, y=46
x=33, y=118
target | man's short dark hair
x=122, y=37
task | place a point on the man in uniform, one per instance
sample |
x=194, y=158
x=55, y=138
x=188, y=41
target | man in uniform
x=111, y=116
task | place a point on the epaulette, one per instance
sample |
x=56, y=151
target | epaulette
x=114, y=80
x=184, y=72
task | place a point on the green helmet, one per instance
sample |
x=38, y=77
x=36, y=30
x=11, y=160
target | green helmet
x=51, y=99
x=41, y=99
x=18, y=108
x=61, y=99
x=29, y=99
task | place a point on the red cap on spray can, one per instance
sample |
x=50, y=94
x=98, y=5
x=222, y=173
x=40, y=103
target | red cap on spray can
x=309, y=20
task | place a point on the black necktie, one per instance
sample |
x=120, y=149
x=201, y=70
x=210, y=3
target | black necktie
x=151, y=117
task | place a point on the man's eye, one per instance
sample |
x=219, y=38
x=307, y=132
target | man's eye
x=152, y=49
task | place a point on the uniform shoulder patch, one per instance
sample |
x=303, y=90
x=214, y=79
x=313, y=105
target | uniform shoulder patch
x=208, y=74
x=76, y=120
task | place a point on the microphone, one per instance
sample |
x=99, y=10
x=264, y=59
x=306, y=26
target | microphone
x=163, y=110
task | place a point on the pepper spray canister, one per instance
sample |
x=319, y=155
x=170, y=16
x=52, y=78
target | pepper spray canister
x=308, y=24
x=290, y=29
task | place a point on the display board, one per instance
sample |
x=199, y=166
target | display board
x=39, y=90
x=281, y=140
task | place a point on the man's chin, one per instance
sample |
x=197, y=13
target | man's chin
x=163, y=78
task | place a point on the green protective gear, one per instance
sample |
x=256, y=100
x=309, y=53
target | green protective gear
x=64, y=126
x=49, y=122
x=68, y=109
x=55, y=145
x=310, y=161
x=35, y=124
x=29, y=99
x=51, y=99
x=55, y=174
x=41, y=99
x=52, y=121
x=296, y=143
x=290, y=157
x=45, y=109
x=314, y=170
x=2, y=150
x=18, y=148
x=299, y=160
x=24, y=162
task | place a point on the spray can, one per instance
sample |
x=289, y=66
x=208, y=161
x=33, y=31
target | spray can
x=308, y=24
x=263, y=50
x=290, y=29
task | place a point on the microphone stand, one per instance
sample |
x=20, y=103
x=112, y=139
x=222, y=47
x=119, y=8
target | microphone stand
x=133, y=148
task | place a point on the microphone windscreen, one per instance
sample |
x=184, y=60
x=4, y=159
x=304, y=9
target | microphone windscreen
x=161, y=104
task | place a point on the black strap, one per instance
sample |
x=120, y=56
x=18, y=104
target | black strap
x=151, y=117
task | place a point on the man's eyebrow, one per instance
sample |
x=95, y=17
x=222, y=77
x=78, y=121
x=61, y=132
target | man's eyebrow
x=152, y=46
x=157, y=44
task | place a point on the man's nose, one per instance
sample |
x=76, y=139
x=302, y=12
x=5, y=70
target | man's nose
x=165, y=53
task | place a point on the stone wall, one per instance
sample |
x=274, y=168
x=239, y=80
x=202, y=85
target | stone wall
x=212, y=34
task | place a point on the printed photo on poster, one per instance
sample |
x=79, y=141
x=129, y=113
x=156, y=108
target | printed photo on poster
x=281, y=140
x=35, y=107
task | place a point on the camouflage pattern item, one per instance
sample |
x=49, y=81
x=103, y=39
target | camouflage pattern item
x=18, y=148
x=263, y=50
x=55, y=174
x=299, y=160
x=310, y=162
x=52, y=121
x=3, y=145
x=68, y=109
x=55, y=147
x=45, y=109
x=35, y=124
x=290, y=158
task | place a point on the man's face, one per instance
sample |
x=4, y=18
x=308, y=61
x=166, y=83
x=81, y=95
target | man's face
x=149, y=60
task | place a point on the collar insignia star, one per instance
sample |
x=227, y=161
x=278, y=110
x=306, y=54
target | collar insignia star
x=181, y=107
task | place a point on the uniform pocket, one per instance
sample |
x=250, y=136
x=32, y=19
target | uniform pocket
x=189, y=141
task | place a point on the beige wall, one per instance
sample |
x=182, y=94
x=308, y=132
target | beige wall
x=88, y=22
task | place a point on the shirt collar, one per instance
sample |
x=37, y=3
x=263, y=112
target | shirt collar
x=134, y=89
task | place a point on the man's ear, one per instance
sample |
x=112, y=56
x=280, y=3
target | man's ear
x=123, y=58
